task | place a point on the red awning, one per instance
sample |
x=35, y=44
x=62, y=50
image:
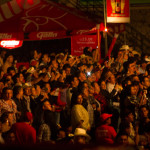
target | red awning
x=30, y=19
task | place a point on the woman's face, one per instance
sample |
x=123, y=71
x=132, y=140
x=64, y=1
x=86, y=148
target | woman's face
x=8, y=94
x=86, y=92
x=79, y=99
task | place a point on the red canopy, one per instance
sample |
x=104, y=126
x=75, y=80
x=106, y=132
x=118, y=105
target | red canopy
x=39, y=19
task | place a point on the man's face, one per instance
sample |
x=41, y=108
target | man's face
x=75, y=82
x=82, y=76
x=12, y=72
x=27, y=91
x=144, y=112
x=68, y=71
x=45, y=58
x=21, y=78
x=131, y=117
x=123, y=140
x=146, y=82
x=132, y=68
x=112, y=79
x=47, y=106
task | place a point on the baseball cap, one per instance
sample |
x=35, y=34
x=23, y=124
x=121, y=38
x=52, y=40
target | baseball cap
x=105, y=116
x=29, y=116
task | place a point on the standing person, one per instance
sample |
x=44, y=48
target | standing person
x=44, y=132
x=26, y=95
x=99, y=97
x=20, y=102
x=24, y=132
x=105, y=133
x=7, y=104
x=79, y=115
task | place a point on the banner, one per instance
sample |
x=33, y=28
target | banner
x=78, y=43
x=12, y=36
x=118, y=11
x=47, y=35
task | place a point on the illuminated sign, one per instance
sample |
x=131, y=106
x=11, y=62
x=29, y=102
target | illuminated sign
x=11, y=44
x=118, y=11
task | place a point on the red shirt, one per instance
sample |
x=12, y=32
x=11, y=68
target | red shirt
x=105, y=134
x=25, y=133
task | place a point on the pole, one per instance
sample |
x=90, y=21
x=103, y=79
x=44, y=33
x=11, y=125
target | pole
x=105, y=32
x=98, y=40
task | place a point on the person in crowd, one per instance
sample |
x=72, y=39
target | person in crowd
x=99, y=97
x=44, y=131
x=105, y=133
x=129, y=119
x=2, y=57
x=48, y=111
x=143, y=119
x=45, y=60
x=6, y=121
x=24, y=131
x=58, y=88
x=12, y=71
x=79, y=115
x=126, y=129
x=72, y=89
x=9, y=137
x=61, y=136
x=26, y=95
x=1, y=137
x=8, y=63
x=80, y=136
x=18, y=79
x=122, y=139
x=35, y=56
x=20, y=102
x=7, y=104
x=142, y=68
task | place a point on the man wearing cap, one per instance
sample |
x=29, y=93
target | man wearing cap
x=105, y=133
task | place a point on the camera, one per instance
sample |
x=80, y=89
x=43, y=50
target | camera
x=88, y=73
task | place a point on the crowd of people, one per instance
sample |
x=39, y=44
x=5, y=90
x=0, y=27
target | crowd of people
x=69, y=99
